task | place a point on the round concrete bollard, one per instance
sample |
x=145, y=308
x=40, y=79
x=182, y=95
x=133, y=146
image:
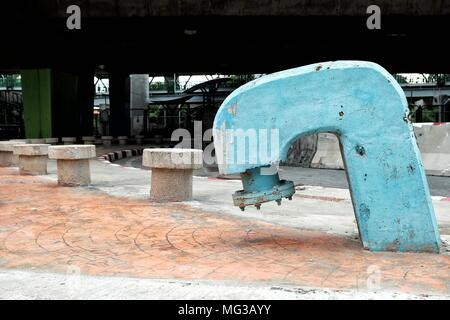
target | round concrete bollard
x=139, y=139
x=107, y=140
x=32, y=158
x=51, y=140
x=73, y=163
x=122, y=140
x=88, y=139
x=172, y=172
x=68, y=140
x=7, y=158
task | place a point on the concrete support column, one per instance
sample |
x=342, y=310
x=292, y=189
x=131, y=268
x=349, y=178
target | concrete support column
x=139, y=93
x=73, y=164
x=119, y=95
x=85, y=101
x=66, y=116
x=73, y=100
x=172, y=169
x=58, y=102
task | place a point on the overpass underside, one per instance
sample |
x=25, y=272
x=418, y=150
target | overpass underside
x=226, y=44
x=145, y=36
x=187, y=36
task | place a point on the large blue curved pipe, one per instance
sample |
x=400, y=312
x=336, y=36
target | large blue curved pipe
x=364, y=105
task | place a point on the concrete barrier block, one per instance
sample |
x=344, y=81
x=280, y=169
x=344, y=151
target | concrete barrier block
x=32, y=158
x=433, y=141
x=69, y=140
x=172, y=169
x=37, y=141
x=31, y=149
x=71, y=152
x=173, y=158
x=51, y=140
x=88, y=139
x=73, y=163
x=20, y=140
x=434, y=144
x=139, y=139
x=7, y=157
x=107, y=140
x=122, y=140
x=328, y=153
x=8, y=146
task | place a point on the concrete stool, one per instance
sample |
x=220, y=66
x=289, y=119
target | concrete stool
x=68, y=140
x=7, y=158
x=107, y=140
x=139, y=139
x=37, y=141
x=32, y=158
x=73, y=163
x=88, y=139
x=122, y=140
x=172, y=172
x=51, y=140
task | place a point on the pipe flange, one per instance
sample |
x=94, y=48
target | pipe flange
x=284, y=189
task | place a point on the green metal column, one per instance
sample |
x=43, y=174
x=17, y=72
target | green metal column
x=37, y=102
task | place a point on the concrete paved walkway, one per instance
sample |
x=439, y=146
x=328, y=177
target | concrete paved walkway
x=439, y=186
x=15, y=284
x=111, y=229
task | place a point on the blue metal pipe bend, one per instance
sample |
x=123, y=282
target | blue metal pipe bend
x=364, y=105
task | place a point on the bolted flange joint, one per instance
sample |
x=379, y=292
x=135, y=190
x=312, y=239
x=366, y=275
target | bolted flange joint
x=260, y=188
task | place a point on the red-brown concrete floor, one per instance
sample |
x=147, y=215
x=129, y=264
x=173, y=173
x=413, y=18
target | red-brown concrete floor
x=51, y=228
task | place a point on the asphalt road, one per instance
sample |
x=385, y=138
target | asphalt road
x=439, y=186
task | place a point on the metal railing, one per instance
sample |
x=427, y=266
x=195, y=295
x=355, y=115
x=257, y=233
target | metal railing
x=10, y=83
